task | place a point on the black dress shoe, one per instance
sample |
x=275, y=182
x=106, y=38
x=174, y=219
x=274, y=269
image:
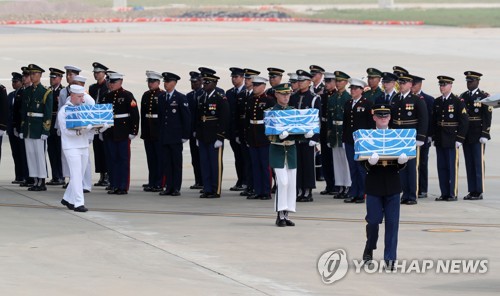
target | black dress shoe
x=265, y=197
x=253, y=196
x=17, y=181
x=156, y=189
x=113, y=191
x=204, y=195
x=477, y=196
x=350, y=199
x=441, y=198
x=213, y=195
x=326, y=192
x=411, y=202
x=26, y=184
x=34, y=188
x=145, y=185
x=281, y=223
x=451, y=198
x=121, y=192
x=67, y=204
x=289, y=222
x=202, y=191
x=175, y=193
x=109, y=188
x=165, y=192
x=360, y=199
x=237, y=188
x=196, y=186
x=55, y=182
x=81, y=209
x=246, y=192
x=86, y=191
x=468, y=196
x=422, y=195
x=404, y=201
x=367, y=255
x=147, y=189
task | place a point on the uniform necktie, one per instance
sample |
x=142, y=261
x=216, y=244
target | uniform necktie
x=387, y=98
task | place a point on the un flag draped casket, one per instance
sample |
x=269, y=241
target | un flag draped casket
x=387, y=143
x=294, y=121
x=97, y=115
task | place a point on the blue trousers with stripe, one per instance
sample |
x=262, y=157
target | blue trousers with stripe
x=474, y=165
x=211, y=166
x=447, y=163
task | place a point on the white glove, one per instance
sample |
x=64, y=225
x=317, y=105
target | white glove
x=184, y=141
x=237, y=140
x=104, y=128
x=197, y=143
x=343, y=145
x=2, y=132
x=312, y=143
x=16, y=133
x=194, y=134
x=88, y=127
x=21, y=136
x=131, y=137
x=217, y=144
x=329, y=145
x=429, y=139
x=457, y=144
x=44, y=137
x=420, y=143
x=402, y=159
x=309, y=134
x=283, y=135
x=101, y=137
x=58, y=131
x=373, y=159
x=483, y=140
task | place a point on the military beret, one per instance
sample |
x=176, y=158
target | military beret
x=98, y=67
x=259, y=79
x=357, y=82
x=417, y=79
x=339, y=75
x=329, y=75
x=316, y=69
x=194, y=76
x=25, y=71
x=372, y=72
x=471, y=75
x=388, y=77
x=303, y=75
x=77, y=89
x=209, y=76
x=275, y=71
x=381, y=110
x=398, y=69
x=16, y=76
x=250, y=72
x=235, y=71
x=80, y=79
x=167, y=76
x=283, y=88
x=54, y=72
x=206, y=70
x=293, y=77
x=74, y=69
x=35, y=68
x=445, y=79
x=152, y=75
x=114, y=75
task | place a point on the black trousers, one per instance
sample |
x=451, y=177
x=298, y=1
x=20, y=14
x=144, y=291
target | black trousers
x=15, y=147
x=305, y=166
x=195, y=161
x=54, y=151
x=99, y=155
x=172, y=166
x=239, y=162
x=154, y=152
x=423, y=168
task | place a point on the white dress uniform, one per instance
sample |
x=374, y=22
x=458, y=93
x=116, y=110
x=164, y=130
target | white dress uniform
x=75, y=145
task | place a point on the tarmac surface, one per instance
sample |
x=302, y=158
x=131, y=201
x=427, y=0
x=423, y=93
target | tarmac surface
x=145, y=244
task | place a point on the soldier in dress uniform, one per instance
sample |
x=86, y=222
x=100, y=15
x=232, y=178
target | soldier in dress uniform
x=15, y=142
x=375, y=93
x=317, y=85
x=16, y=125
x=382, y=196
x=193, y=98
x=175, y=127
x=423, y=160
x=389, y=82
x=335, y=126
x=448, y=130
x=283, y=159
x=97, y=91
x=54, y=140
x=304, y=98
x=294, y=83
x=256, y=139
x=409, y=112
x=36, y=119
x=4, y=114
x=233, y=95
x=205, y=70
x=150, y=132
x=117, y=138
x=241, y=129
x=326, y=152
x=212, y=121
x=357, y=115
x=477, y=135
x=275, y=76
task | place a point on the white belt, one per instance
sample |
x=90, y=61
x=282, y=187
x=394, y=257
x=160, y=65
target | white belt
x=33, y=114
x=122, y=115
x=284, y=143
x=257, y=121
x=151, y=116
x=337, y=122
